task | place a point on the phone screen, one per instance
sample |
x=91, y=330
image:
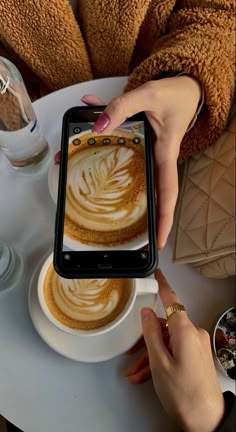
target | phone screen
x=106, y=191
x=107, y=220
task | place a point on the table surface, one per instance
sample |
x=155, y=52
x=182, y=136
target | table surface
x=39, y=389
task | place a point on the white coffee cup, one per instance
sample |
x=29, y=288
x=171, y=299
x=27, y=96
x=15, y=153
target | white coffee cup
x=140, y=287
x=137, y=242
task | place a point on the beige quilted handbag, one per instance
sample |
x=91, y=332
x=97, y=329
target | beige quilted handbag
x=205, y=228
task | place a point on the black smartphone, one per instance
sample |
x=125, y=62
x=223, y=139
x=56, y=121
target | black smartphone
x=106, y=212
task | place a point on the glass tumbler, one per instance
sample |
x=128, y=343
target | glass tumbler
x=20, y=138
x=11, y=266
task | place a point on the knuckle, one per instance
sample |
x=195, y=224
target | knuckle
x=186, y=326
x=198, y=336
x=117, y=104
x=204, y=335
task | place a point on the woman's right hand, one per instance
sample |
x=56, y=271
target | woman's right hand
x=182, y=367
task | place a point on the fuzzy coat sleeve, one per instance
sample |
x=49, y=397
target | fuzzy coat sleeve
x=199, y=41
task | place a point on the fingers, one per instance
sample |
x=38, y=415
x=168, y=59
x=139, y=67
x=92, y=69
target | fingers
x=90, y=99
x=162, y=322
x=137, y=347
x=57, y=158
x=152, y=331
x=139, y=371
x=138, y=364
x=122, y=107
x=141, y=343
x=141, y=376
x=167, y=186
x=167, y=294
x=169, y=298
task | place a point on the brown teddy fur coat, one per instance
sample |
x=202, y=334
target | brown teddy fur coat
x=145, y=39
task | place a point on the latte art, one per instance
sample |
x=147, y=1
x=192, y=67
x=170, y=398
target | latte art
x=85, y=304
x=105, y=197
x=84, y=300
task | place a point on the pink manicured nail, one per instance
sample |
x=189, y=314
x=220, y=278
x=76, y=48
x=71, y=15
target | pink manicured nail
x=101, y=123
x=57, y=158
x=84, y=99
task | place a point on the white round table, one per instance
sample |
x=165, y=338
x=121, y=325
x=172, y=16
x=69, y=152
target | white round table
x=39, y=389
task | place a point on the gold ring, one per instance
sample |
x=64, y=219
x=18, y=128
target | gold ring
x=170, y=310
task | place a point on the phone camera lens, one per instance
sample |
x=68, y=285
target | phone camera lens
x=67, y=257
x=143, y=255
x=77, y=130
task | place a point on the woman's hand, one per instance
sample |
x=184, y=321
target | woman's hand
x=181, y=365
x=170, y=105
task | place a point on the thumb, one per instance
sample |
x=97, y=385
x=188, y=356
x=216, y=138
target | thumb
x=152, y=332
x=121, y=107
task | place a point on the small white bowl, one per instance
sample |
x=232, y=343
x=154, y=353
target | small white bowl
x=218, y=326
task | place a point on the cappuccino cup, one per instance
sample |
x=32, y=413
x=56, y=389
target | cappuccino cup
x=88, y=307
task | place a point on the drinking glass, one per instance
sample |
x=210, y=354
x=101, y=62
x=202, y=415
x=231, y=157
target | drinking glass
x=20, y=138
x=11, y=266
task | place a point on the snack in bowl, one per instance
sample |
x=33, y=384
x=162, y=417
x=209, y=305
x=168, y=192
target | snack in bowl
x=224, y=342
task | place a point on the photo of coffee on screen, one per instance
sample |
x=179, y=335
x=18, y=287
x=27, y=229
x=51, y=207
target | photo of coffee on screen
x=85, y=304
x=106, y=202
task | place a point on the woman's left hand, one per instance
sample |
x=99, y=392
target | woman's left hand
x=139, y=370
x=170, y=104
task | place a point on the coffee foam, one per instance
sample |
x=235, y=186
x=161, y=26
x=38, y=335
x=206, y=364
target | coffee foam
x=85, y=304
x=106, y=194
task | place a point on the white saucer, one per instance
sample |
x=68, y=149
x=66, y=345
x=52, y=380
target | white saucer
x=89, y=349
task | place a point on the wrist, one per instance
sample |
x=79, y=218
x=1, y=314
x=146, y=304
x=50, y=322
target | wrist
x=193, y=84
x=206, y=420
x=201, y=97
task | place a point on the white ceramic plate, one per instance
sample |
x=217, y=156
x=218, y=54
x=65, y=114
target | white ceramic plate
x=93, y=348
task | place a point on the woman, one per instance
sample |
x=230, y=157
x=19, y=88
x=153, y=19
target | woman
x=174, y=51
x=59, y=43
